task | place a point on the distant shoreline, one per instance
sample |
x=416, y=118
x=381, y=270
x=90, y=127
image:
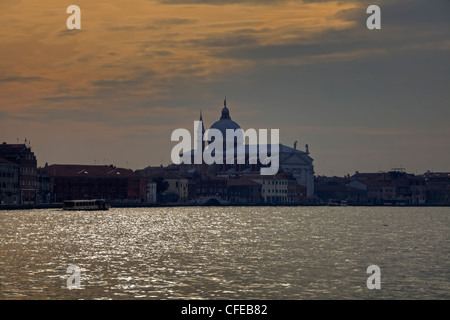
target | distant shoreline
x=59, y=206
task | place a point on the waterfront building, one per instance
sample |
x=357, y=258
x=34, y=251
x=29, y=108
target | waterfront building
x=244, y=190
x=210, y=188
x=437, y=186
x=176, y=185
x=78, y=182
x=24, y=158
x=44, y=187
x=395, y=187
x=151, y=192
x=274, y=188
x=9, y=182
x=330, y=189
x=300, y=164
x=281, y=188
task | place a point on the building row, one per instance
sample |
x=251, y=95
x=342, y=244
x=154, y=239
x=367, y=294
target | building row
x=193, y=187
x=23, y=183
x=395, y=187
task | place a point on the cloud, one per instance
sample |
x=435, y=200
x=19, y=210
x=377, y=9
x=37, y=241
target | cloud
x=233, y=40
x=222, y=2
x=66, y=98
x=69, y=33
x=175, y=21
x=310, y=68
x=326, y=43
x=23, y=79
x=352, y=42
x=126, y=28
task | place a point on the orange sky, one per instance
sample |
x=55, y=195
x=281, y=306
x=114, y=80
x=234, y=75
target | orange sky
x=121, y=39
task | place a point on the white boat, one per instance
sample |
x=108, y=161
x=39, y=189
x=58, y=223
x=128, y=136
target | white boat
x=337, y=203
x=96, y=204
x=334, y=203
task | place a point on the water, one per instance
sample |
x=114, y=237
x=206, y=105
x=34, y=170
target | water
x=226, y=253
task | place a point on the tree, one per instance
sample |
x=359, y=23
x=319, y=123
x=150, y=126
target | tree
x=161, y=186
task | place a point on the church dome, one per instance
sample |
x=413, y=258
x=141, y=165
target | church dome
x=225, y=121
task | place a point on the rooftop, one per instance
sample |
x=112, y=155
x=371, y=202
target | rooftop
x=75, y=170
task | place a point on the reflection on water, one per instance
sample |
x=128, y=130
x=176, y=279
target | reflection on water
x=226, y=253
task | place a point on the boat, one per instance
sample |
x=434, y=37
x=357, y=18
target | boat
x=337, y=203
x=89, y=205
x=334, y=203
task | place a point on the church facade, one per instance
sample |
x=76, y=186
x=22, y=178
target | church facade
x=291, y=160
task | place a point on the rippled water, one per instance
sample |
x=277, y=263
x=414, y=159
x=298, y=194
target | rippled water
x=226, y=253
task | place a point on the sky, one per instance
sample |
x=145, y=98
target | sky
x=113, y=92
